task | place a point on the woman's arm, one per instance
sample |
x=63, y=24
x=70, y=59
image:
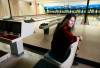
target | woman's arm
x=69, y=35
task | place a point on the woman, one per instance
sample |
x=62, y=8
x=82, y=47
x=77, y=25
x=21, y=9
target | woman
x=63, y=38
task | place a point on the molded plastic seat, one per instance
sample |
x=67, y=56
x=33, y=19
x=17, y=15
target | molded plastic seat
x=68, y=62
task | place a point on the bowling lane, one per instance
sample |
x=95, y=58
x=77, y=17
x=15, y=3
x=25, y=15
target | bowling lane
x=89, y=47
x=36, y=18
x=91, y=20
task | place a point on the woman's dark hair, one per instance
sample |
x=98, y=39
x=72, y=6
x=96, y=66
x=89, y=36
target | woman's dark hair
x=67, y=18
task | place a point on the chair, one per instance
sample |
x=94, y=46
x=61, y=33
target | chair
x=68, y=62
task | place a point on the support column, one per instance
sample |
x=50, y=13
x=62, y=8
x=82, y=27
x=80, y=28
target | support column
x=36, y=7
x=17, y=48
x=10, y=9
x=85, y=20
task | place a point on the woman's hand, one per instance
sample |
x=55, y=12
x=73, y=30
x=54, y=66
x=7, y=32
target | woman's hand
x=80, y=38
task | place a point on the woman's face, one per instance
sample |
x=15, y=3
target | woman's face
x=71, y=22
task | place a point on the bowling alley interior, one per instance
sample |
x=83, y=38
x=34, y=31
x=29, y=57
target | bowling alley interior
x=27, y=28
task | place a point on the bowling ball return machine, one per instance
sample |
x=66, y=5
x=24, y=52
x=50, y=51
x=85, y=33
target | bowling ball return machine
x=12, y=32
